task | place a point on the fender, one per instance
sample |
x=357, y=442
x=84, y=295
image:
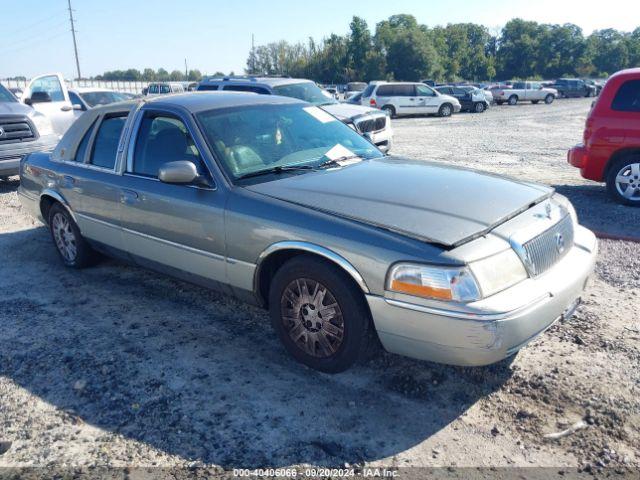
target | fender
x=311, y=248
x=57, y=196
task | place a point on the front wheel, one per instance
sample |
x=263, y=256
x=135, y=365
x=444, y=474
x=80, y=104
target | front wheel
x=479, y=107
x=319, y=315
x=623, y=180
x=549, y=99
x=445, y=110
x=73, y=249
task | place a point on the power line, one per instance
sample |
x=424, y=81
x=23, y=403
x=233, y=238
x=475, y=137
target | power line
x=33, y=42
x=75, y=44
x=29, y=26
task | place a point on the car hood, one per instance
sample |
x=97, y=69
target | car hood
x=15, y=108
x=345, y=111
x=419, y=199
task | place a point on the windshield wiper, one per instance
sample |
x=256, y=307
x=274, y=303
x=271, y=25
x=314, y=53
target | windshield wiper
x=277, y=169
x=337, y=161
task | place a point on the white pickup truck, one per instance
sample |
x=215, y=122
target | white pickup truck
x=532, y=92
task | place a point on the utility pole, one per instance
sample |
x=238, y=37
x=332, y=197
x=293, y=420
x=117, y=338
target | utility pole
x=186, y=71
x=75, y=44
x=253, y=54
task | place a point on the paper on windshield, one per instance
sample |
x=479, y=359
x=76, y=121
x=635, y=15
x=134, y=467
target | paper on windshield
x=340, y=151
x=319, y=114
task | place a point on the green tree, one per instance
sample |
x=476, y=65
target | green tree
x=359, y=46
x=517, y=54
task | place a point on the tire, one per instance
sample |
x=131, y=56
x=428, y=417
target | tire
x=513, y=100
x=389, y=110
x=479, y=107
x=337, y=342
x=73, y=249
x=499, y=102
x=535, y=102
x=549, y=99
x=446, y=109
x=623, y=180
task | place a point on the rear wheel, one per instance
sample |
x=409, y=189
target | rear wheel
x=445, y=110
x=73, y=249
x=389, y=110
x=319, y=315
x=513, y=99
x=479, y=107
x=623, y=180
x=549, y=99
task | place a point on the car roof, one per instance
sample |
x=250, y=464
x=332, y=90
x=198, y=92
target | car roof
x=629, y=72
x=201, y=101
x=269, y=81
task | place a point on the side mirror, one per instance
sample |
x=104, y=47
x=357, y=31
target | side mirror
x=182, y=172
x=39, y=97
x=77, y=106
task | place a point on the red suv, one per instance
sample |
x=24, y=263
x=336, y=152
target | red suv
x=611, y=148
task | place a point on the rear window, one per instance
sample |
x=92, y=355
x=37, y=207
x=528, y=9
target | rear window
x=368, y=91
x=628, y=97
x=247, y=88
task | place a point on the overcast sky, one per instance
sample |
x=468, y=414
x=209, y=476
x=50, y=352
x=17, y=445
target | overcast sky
x=216, y=35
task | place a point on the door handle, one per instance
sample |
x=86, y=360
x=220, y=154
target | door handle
x=128, y=197
x=412, y=99
x=66, y=108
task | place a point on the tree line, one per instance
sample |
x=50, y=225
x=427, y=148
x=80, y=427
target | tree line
x=150, y=75
x=402, y=49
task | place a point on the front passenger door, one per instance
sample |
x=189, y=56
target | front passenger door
x=427, y=100
x=172, y=227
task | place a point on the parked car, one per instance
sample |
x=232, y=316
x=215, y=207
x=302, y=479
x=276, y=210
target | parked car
x=89, y=97
x=262, y=197
x=574, y=87
x=532, y=92
x=610, y=151
x=163, y=88
x=353, y=88
x=597, y=84
x=49, y=95
x=366, y=121
x=22, y=131
x=355, y=99
x=406, y=98
x=471, y=99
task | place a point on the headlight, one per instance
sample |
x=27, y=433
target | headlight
x=440, y=283
x=42, y=124
x=498, y=272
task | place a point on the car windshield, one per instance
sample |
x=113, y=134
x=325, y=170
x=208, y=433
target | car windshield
x=264, y=138
x=6, y=96
x=306, y=91
x=102, y=98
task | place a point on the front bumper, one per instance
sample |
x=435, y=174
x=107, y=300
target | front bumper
x=493, y=328
x=12, y=153
x=457, y=108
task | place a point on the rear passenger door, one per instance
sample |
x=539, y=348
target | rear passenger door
x=91, y=182
x=177, y=227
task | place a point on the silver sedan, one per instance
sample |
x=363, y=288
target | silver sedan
x=276, y=202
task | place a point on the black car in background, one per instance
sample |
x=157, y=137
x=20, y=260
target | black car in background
x=574, y=87
x=471, y=99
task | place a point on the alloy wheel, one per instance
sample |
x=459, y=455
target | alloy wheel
x=628, y=182
x=64, y=237
x=312, y=317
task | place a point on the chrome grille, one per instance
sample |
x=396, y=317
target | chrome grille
x=548, y=248
x=371, y=124
x=15, y=130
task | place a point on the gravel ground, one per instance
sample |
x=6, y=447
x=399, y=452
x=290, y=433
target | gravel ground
x=118, y=366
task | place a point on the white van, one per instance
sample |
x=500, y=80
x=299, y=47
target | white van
x=409, y=98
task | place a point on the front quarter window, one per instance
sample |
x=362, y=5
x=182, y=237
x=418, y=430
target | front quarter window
x=248, y=140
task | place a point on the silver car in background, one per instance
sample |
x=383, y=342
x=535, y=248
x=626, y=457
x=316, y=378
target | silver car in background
x=276, y=202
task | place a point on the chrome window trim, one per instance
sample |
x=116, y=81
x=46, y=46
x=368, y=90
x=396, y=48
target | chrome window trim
x=154, y=179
